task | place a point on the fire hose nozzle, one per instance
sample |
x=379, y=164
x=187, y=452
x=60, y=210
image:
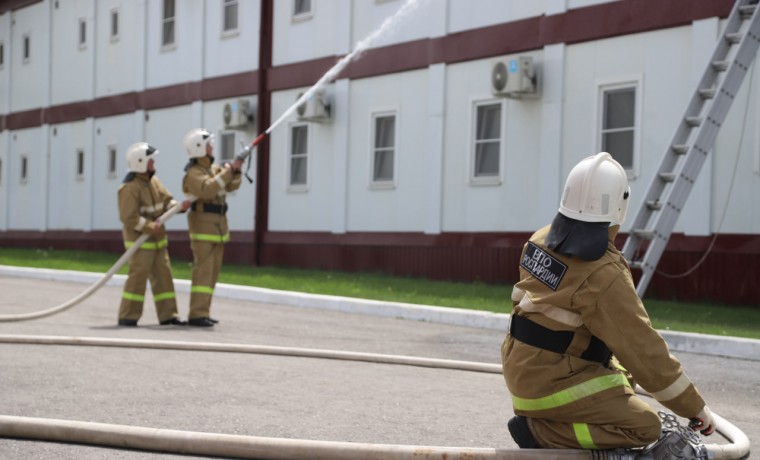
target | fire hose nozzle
x=246, y=149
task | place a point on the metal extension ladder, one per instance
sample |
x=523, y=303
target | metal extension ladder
x=693, y=140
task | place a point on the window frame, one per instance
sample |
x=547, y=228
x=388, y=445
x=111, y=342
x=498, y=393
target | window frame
x=303, y=16
x=82, y=33
x=222, y=151
x=79, y=164
x=373, y=148
x=114, y=24
x=24, y=162
x=291, y=187
x=472, y=178
x=230, y=32
x=26, y=48
x=113, y=160
x=164, y=21
x=634, y=82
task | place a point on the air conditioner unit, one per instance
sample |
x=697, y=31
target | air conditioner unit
x=315, y=108
x=237, y=114
x=515, y=78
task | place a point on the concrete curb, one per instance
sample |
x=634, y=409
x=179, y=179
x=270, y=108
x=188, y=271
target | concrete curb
x=731, y=347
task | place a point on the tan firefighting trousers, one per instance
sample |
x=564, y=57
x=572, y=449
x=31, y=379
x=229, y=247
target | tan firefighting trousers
x=153, y=265
x=207, y=263
x=624, y=421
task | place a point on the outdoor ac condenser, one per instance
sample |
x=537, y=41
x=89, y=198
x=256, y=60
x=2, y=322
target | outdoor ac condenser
x=237, y=114
x=514, y=77
x=315, y=108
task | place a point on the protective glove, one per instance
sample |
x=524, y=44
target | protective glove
x=703, y=422
x=157, y=230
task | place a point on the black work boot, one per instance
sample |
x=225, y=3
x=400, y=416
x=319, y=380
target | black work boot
x=173, y=322
x=518, y=428
x=128, y=322
x=200, y=322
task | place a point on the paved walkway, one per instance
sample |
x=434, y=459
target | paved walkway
x=279, y=396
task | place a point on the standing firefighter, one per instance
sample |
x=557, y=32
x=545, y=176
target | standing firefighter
x=142, y=200
x=574, y=307
x=207, y=220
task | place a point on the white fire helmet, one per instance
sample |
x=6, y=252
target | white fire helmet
x=195, y=142
x=138, y=155
x=596, y=191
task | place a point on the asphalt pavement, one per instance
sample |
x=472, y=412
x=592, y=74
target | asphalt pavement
x=281, y=396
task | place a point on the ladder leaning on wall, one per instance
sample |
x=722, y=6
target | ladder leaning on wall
x=693, y=140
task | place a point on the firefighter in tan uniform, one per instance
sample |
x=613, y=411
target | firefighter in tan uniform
x=207, y=220
x=142, y=199
x=576, y=306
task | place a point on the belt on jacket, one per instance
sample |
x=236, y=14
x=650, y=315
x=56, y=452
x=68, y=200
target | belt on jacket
x=209, y=207
x=530, y=333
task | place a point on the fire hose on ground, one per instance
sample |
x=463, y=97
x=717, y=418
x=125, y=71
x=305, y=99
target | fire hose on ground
x=264, y=448
x=98, y=284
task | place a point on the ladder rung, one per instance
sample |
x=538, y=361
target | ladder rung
x=693, y=121
x=667, y=177
x=720, y=65
x=644, y=234
x=708, y=93
x=636, y=264
x=680, y=148
x=654, y=205
x=734, y=37
x=747, y=10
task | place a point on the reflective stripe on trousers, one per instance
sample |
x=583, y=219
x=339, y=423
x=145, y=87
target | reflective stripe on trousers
x=141, y=298
x=583, y=435
x=210, y=238
x=570, y=395
x=164, y=242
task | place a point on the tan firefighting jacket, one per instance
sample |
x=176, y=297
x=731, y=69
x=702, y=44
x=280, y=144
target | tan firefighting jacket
x=210, y=183
x=597, y=298
x=141, y=201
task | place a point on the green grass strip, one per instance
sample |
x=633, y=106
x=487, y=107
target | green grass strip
x=703, y=318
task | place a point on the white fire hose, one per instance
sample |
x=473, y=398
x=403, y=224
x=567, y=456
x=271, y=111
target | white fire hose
x=89, y=291
x=254, y=447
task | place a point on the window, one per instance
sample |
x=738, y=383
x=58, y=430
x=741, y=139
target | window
x=383, y=148
x=112, y=156
x=229, y=16
x=301, y=9
x=618, y=118
x=1, y=171
x=80, y=164
x=26, y=52
x=167, y=33
x=114, y=25
x=2, y=55
x=24, y=169
x=486, y=163
x=227, y=146
x=299, y=149
x=82, y=33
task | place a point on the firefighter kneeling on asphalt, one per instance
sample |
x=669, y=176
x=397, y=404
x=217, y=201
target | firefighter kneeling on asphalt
x=142, y=200
x=207, y=219
x=579, y=334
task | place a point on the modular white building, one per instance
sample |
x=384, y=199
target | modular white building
x=417, y=159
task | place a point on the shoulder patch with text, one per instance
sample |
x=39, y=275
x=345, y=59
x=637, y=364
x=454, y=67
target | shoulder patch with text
x=543, y=266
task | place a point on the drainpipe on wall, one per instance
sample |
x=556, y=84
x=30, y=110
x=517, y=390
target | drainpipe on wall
x=261, y=220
